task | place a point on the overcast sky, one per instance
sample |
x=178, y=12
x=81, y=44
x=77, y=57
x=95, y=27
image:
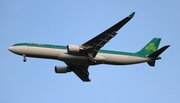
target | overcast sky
x=75, y=22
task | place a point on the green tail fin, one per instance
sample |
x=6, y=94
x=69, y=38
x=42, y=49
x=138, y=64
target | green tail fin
x=150, y=51
x=151, y=47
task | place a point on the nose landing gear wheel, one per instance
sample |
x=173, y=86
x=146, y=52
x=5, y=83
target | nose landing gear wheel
x=24, y=58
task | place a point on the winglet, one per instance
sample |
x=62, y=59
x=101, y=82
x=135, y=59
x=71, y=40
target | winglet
x=132, y=14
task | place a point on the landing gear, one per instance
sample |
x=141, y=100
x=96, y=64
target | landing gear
x=24, y=58
x=91, y=60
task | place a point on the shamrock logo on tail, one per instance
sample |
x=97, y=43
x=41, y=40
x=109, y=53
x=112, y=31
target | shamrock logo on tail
x=151, y=47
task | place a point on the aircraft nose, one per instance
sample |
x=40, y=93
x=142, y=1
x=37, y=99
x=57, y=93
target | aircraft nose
x=10, y=48
x=15, y=49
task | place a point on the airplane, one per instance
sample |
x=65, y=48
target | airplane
x=79, y=57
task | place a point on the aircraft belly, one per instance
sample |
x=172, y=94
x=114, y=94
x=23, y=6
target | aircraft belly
x=72, y=58
x=77, y=59
x=123, y=59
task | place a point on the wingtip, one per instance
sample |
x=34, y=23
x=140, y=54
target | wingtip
x=168, y=46
x=132, y=14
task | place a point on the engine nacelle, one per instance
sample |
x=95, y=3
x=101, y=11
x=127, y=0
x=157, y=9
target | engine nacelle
x=61, y=69
x=73, y=48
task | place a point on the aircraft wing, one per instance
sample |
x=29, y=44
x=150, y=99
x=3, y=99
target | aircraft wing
x=81, y=71
x=94, y=45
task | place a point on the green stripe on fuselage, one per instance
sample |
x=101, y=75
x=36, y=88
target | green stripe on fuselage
x=41, y=45
x=64, y=47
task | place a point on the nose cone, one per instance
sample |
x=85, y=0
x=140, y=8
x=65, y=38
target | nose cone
x=10, y=48
x=13, y=49
x=16, y=50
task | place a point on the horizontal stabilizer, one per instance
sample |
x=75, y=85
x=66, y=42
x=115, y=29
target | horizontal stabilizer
x=152, y=63
x=158, y=52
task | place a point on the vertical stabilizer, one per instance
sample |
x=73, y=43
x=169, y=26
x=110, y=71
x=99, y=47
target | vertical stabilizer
x=151, y=47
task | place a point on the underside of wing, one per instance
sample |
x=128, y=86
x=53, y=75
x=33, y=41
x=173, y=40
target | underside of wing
x=82, y=75
x=81, y=71
x=93, y=46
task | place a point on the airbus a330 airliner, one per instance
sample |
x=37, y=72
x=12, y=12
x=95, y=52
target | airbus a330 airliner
x=79, y=57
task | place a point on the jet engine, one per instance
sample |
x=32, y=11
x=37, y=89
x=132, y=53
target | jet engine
x=61, y=69
x=73, y=48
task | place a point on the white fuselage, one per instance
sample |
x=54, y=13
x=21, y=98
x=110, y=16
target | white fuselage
x=62, y=54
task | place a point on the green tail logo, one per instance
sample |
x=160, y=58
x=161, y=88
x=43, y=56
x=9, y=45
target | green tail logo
x=151, y=47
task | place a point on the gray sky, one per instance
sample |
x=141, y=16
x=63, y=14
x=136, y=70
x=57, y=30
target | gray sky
x=74, y=22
